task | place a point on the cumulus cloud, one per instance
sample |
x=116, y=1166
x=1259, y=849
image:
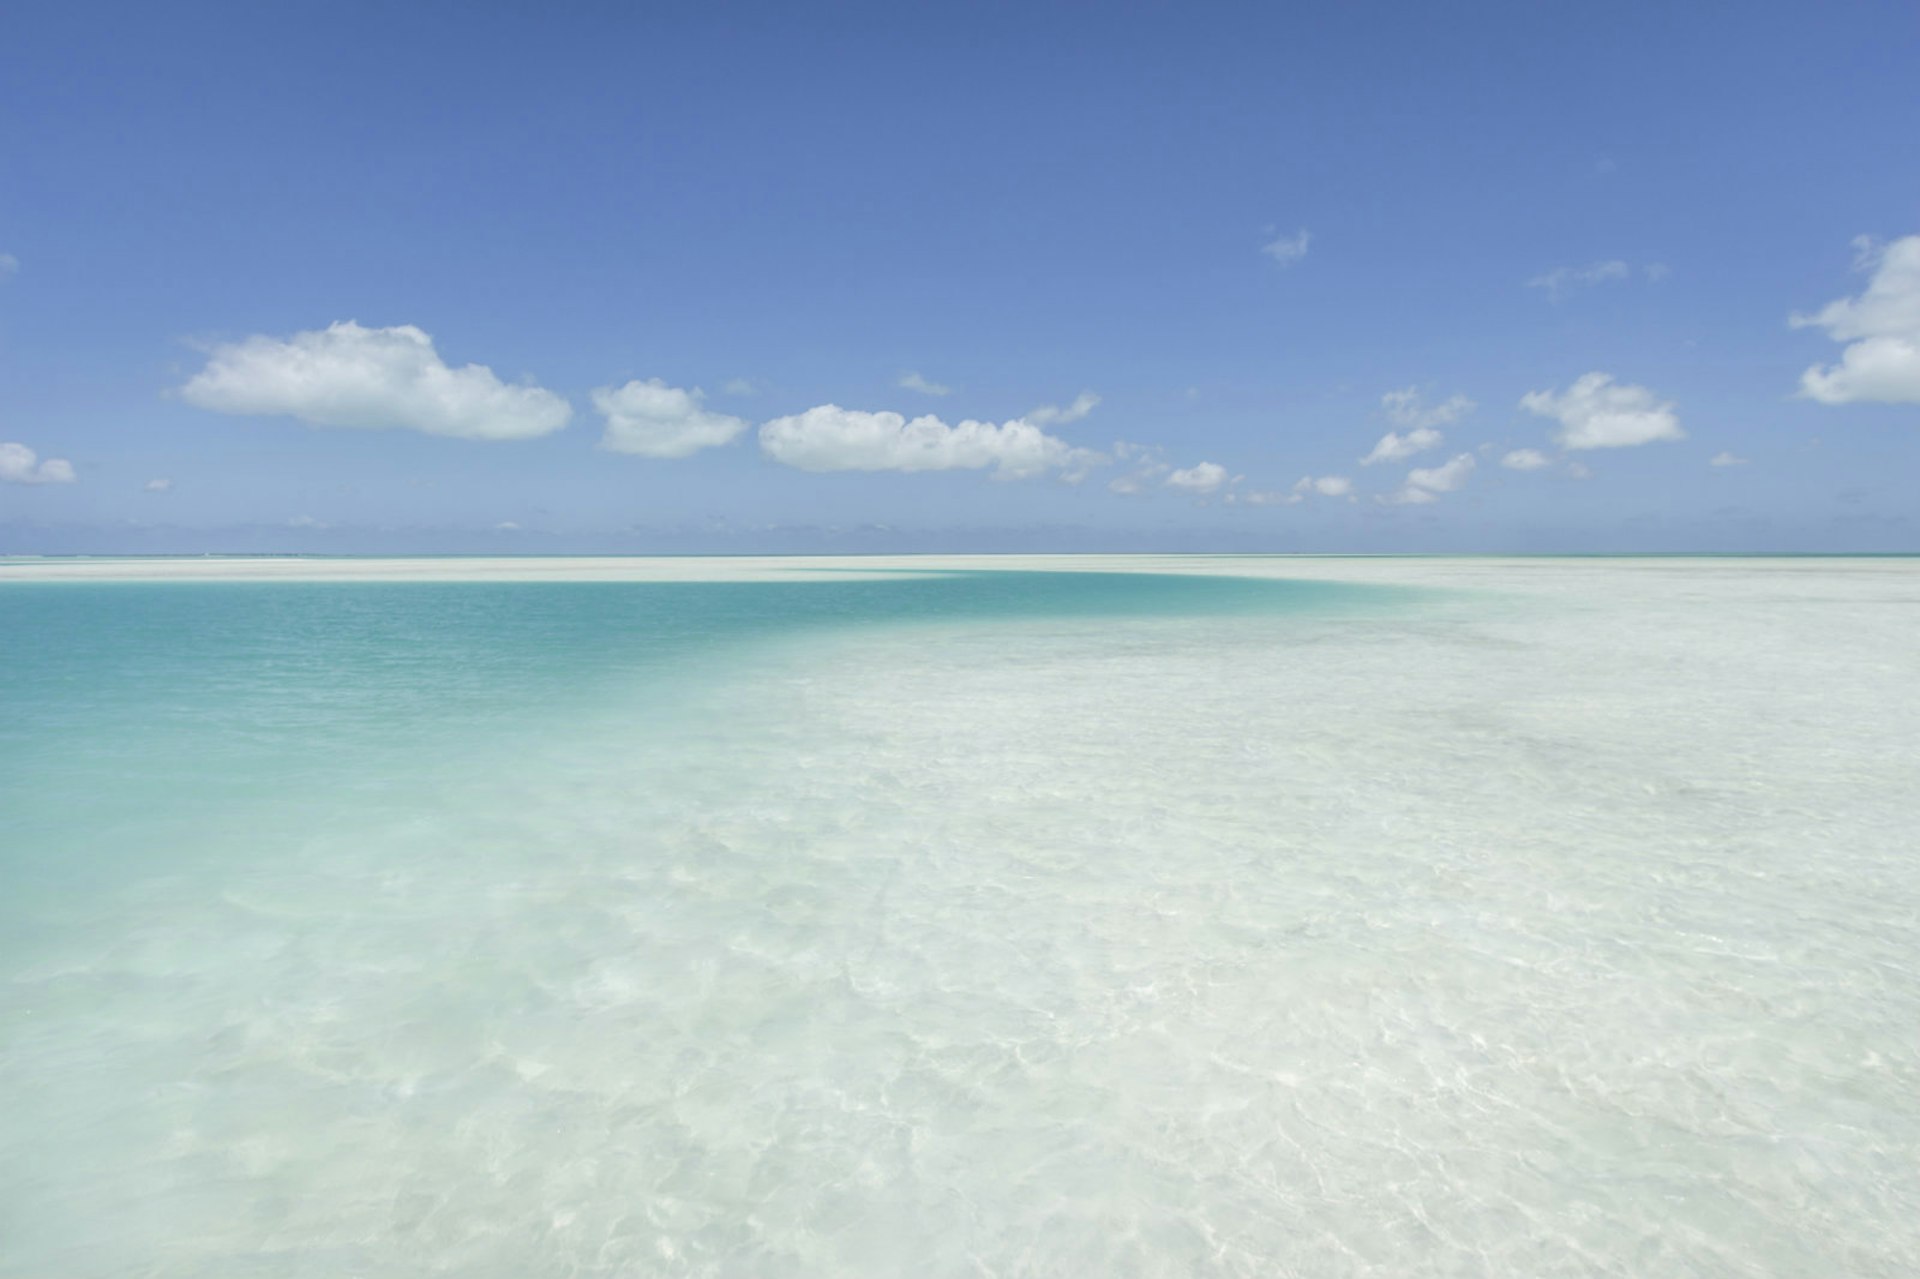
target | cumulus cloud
x=21, y=465
x=1560, y=280
x=1055, y=415
x=1394, y=447
x=1201, y=478
x=1288, y=249
x=830, y=438
x=1424, y=484
x=1420, y=422
x=1724, y=458
x=1324, y=485
x=1881, y=362
x=914, y=382
x=159, y=484
x=1526, y=460
x=652, y=419
x=1595, y=413
x=1445, y=478
x=350, y=376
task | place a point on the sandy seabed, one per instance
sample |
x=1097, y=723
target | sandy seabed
x=1563, y=921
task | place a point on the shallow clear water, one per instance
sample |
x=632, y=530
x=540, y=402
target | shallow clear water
x=1565, y=921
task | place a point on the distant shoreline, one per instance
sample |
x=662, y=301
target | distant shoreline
x=686, y=568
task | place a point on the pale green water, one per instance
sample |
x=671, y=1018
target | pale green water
x=1024, y=923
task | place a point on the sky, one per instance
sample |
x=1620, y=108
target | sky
x=505, y=278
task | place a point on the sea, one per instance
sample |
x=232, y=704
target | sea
x=990, y=916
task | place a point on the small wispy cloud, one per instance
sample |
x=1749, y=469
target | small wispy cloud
x=915, y=382
x=9, y=265
x=159, y=484
x=1407, y=408
x=1199, y=479
x=1526, y=460
x=1724, y=458
x=738, y=386
x=1324, y=486
x=1420, y=423
x=1425, y=484
x=1561, y=280
x=1256, y=497
x=1059, y=415
x=1288, y=249
x=1146, y=463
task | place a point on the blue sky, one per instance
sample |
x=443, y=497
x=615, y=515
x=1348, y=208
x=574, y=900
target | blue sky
x=251, y=251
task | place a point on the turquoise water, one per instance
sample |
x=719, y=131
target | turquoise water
x=962, y=923
x=131, y=701
x=207, y=788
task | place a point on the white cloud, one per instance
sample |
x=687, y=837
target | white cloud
x=1288, y=249
x=1404, y=408
x=1394, y=447
x=1882, y=326
x=346, y=375
x=1526, y=460
x=305, y=521
x=738, y=386
x=1325, y=486
x=1419, y=420
x=652, y=419
x=1594, y=413
x=1204, y=477
x=159, y=484
x=914, y=382
x=1579, y=471
x=1444, y=478
x=1054, y=415
x=1724, y=458
x=1146, y=454
x=9, y=265
x=1148, y=465
x=21, y=465
x=1425, y=483
x=830, y=438
x=506, y=526
x=1557, y=281
x=1257, y=498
